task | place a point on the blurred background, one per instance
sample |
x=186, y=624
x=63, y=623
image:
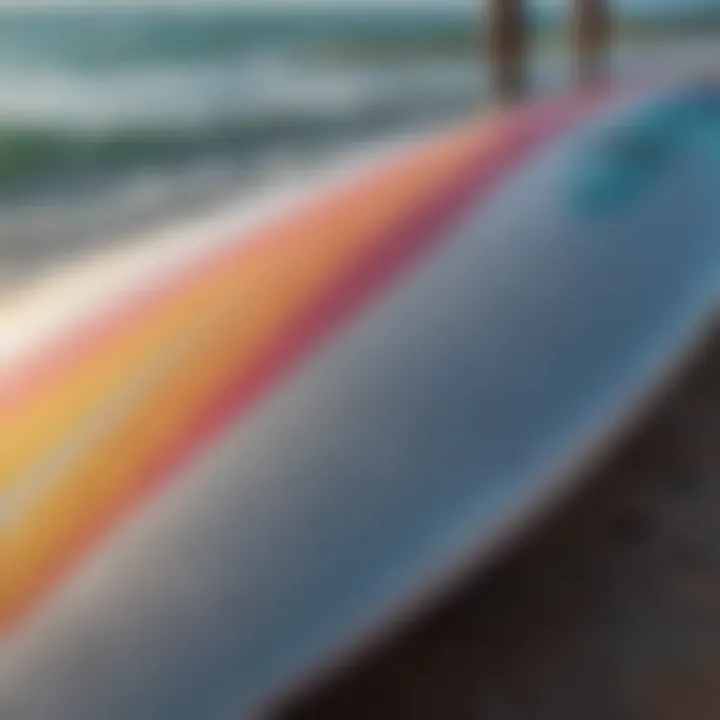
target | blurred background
x=118, y=115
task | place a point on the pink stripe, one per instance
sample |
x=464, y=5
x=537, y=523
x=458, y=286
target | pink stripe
x=395, y=253
x=363, y=282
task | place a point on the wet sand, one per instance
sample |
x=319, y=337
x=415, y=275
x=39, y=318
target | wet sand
x=610, y=609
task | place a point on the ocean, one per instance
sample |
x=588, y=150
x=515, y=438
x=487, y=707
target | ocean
x=112, y=119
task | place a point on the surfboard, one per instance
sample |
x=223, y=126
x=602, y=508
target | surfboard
x=235, y=467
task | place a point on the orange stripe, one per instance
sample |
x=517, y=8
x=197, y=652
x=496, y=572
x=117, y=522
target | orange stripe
x=199, y=323
x=39, y=372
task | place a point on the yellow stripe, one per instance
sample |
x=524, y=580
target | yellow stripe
x=216, y=324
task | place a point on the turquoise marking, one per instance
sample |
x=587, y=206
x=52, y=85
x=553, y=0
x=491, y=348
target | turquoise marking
x=628, y=159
